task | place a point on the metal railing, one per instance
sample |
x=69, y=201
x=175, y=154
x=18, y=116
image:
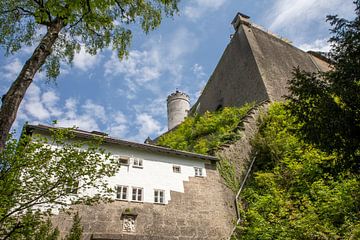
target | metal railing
x=238, y=195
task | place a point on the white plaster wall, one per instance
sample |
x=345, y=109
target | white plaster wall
x=157, y=173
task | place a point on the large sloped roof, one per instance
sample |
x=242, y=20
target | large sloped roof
x=255, y=66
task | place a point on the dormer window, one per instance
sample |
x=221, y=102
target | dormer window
x=138, y=163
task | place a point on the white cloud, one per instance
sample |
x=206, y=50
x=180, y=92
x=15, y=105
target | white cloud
x=197, y=8
x=12, y=69
x=294, y=16
x=85, y=117
x=143, y=69
x=84, y=61
x=198, y=70
x=33, y=105
x=155, y=107
x=319, y=45
x=50, y=99
x=140, y=66
x=94, y=110
x=118, y=126
x=147, y=126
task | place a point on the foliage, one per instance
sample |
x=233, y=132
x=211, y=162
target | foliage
x=76, y=229
x=327, y=104
x=204, y=134
x=59, y=29
x=93, y=24
x=35, y=175
x=227, y=172
x=296, y=191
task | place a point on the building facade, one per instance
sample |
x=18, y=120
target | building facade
x=160, y=193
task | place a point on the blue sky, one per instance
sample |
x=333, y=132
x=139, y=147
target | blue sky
x=127, y=99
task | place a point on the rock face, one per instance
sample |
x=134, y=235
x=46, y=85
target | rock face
x=204, y=211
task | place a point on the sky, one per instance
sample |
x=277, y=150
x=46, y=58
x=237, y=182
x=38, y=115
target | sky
x=127, y=99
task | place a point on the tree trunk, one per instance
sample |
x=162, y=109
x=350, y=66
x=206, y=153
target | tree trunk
x=12, y=99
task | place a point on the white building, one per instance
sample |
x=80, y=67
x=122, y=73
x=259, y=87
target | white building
x=160, y=193
x=148, y=173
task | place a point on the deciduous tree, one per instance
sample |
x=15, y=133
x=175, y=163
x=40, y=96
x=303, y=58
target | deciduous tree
x=40, y=173
x=327, y=105
x=59, y=27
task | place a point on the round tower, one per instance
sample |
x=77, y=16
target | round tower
x=178, y=106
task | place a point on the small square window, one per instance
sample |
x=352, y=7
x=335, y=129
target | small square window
x=123, y=160
x=198, y=172
x=137, y=194
x=159, y=196
x=121, y=192
x=176, y=169
x=138, y=163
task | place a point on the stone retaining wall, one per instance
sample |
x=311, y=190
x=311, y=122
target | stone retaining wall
x=204, y=211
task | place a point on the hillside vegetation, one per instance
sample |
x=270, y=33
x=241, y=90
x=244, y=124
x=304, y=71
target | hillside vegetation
x=205, y=133
x=296, y=190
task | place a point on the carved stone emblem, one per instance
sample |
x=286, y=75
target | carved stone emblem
x=129, y=223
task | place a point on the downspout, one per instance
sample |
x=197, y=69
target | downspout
x=238, y=195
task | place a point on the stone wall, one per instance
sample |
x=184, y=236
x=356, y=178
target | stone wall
x=235, y=80
x=204, y=211
x=239, y=152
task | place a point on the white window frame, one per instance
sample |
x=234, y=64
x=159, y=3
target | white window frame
x=121, y=192
x=157, y=196
x=198, y=172
x=138, y=163
x=137, y=194
x=175, y=167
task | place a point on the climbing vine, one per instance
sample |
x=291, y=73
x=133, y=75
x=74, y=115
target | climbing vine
x=205, y=133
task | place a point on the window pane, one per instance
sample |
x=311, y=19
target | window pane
x=124, y=193
x=139, y=194
x=134, y=194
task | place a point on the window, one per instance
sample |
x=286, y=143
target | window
x=137, y=194
x=121, y=192
x=198, y=172
x=72, y=187
x=138, y=163
x=123, y=160
x=159, y=196
x=176, y=169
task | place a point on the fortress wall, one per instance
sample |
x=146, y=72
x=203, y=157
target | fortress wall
x=235, y=80
x=239, y=152
x=204, y=211
x=276, y=60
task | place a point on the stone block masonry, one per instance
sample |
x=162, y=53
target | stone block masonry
x=204, y=211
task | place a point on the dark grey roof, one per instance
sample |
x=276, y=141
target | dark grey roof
x=146, y=147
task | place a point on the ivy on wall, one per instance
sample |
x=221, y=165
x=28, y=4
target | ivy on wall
x=205, y=133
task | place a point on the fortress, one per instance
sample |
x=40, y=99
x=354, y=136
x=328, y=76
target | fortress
x=168, y=194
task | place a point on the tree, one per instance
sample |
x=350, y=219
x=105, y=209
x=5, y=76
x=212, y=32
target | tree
x=60, y=27
x=76, y=229
x=36, y=176
x=327, y=105
x=295, y=190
